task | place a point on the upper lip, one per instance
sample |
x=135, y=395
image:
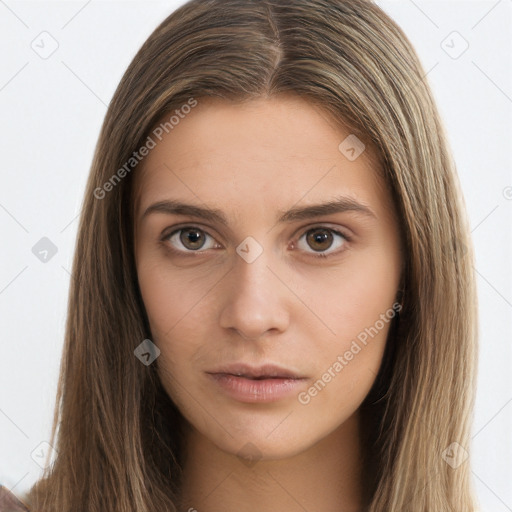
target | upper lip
x=254, y=372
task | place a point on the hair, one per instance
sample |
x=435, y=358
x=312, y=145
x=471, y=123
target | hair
x=117, y=433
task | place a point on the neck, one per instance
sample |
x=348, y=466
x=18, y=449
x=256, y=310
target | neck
x=326, y=477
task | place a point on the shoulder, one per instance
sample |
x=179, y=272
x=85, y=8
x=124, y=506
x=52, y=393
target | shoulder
x=9, y=502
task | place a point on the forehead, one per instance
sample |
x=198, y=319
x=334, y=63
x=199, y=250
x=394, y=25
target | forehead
x=270, y=152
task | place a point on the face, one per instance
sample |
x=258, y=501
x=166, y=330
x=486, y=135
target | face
x=239, y=267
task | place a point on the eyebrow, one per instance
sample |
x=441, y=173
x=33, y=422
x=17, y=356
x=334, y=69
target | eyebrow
x=337, y=205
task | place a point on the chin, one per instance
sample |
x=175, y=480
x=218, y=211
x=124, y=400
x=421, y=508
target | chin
x=261, y=438
x=258, y=448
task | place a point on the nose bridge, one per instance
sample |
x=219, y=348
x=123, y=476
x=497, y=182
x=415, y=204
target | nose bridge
x=253, y=276
x=254, y=302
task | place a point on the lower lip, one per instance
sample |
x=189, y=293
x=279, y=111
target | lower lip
x=261, y=391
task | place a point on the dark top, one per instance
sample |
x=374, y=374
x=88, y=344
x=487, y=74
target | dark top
x=9, y=502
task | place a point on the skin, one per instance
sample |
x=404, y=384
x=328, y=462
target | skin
x=253, y=161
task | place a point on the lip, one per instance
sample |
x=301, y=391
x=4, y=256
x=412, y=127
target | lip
x=263, y=384
x=265, y=370
x=251, y=390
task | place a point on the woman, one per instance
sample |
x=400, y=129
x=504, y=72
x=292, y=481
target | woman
x=273, y=304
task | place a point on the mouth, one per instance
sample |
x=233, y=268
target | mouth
x=262, y=377
x=267, y=371
x=267, y=383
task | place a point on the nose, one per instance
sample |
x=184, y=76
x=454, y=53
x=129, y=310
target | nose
x=255, y=300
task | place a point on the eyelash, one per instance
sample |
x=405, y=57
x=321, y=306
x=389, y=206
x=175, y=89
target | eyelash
x=166, y=237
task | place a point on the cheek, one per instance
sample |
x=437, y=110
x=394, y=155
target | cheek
x=170, y=295
x=172, y=317
x=370, y=284
x=177, y=305
x=353, y=297
x=347, y=367
x=359, y=312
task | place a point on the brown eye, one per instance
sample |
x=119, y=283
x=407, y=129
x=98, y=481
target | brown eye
x=319, y=240
x=190, y=239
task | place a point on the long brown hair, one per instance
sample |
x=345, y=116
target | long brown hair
x=116, y=431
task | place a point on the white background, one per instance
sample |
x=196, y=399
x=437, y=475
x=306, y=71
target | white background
x=51, y=113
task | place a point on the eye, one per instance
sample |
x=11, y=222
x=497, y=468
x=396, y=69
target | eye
x=320, y=239
x=189, y=239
